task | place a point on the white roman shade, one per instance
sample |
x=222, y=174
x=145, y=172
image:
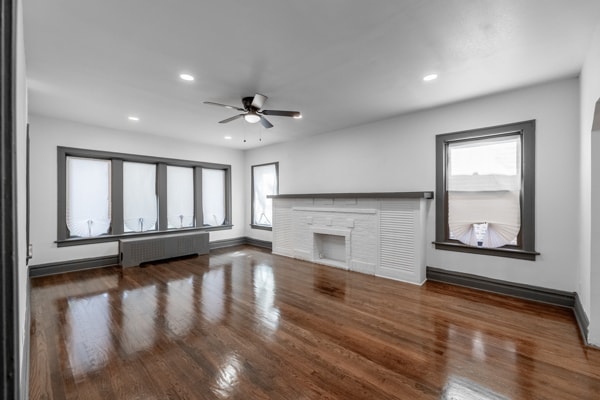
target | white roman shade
x=88, y=197
x=180, y=197
x=140, y=201
x=499, y=210
x=265, y=183
x=213, y=196
x=483, y=188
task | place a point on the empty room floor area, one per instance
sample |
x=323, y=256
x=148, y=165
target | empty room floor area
x=242, y=323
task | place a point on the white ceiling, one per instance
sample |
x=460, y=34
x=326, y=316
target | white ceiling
x=340, y=62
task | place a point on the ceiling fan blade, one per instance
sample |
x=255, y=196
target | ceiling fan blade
x=231, y=119
x=280, y=113
x=224, y=105
x=265, y=122
x=258, y=100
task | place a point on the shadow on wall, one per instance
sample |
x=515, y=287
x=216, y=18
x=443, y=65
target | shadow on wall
x=596, y=123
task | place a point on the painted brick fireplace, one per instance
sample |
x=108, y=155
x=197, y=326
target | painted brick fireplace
x=379, y=234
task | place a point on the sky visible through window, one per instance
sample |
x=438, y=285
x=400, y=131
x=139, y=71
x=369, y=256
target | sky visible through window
x=485, y=157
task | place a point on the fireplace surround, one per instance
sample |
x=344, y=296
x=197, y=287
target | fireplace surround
x=380, y=234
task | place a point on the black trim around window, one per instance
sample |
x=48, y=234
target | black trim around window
x=526, y=247
x=252, y=224
x=117, y=159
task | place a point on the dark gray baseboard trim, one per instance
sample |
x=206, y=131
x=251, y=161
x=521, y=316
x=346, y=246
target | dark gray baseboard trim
x=535, y=293
x=259, y=243
x=220, y=244
x=72, y=265
x=107, y=261
x=581, y=318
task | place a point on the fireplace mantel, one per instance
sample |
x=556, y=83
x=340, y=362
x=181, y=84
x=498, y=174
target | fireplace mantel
x=373, y=195
x=380, y=233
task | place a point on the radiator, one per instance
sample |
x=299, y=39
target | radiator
x=134, y=251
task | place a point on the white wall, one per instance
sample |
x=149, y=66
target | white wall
x=21, y=159
x=399, y=155
x=589, y=275
x=48, y=133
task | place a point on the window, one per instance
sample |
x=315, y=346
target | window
x=483, y=185
x=213, y=196
x=485, y=191
x=265, y=181
x=180, y=197
x=104, y=196
x=140, y=201
x=88, y=197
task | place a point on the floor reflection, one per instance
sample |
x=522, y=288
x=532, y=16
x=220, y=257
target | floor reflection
x=89, y=342
x=227, y=378
x=469, y=358
x=327, y=282
x=213, y=290
x=139, y=310
x=180, y=306
x=264, y=293
x=460, y=388
x=478, y=346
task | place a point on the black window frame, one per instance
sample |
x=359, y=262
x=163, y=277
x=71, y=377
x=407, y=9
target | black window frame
x=526, y=247
x=252, y=224
x=117, y=229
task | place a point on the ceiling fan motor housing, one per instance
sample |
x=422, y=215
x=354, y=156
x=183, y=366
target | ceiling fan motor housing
x=247, y=102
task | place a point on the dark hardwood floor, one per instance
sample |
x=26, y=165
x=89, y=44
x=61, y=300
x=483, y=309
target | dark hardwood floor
x=244, y=324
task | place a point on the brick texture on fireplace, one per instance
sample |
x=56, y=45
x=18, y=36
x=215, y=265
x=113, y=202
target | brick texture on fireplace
x=382, y=236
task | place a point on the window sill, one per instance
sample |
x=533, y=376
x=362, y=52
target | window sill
x=114, y=238
x=498, y=252
x=263, y=227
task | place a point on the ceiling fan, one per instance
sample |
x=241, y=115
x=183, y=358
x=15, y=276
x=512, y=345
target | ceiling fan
x=253, y=112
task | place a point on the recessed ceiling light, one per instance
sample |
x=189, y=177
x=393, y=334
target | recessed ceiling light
x=430, y=77
x=186, y=77
x=132, y=118
x=227, y=138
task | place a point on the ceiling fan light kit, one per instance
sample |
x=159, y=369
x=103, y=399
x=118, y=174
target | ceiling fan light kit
x=252, y=118
x=252, y=111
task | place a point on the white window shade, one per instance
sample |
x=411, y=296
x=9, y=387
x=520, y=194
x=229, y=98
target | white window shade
x=265, y=183
x=213, y=196
x=180, y=197
x=500, y=210
x=88, y=197
x=483, y=186
x=139, y=197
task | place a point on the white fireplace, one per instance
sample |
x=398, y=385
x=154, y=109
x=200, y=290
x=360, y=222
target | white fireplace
x=376, y=233
x=331, y=247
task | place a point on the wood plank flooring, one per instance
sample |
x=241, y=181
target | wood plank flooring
x=241, y=323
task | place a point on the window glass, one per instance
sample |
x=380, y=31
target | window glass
x=264, y=183
x=486, y=157
x=88, y=197
x=484, y=189
x=139, y=197
x=213, y=196
x=180, y=197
